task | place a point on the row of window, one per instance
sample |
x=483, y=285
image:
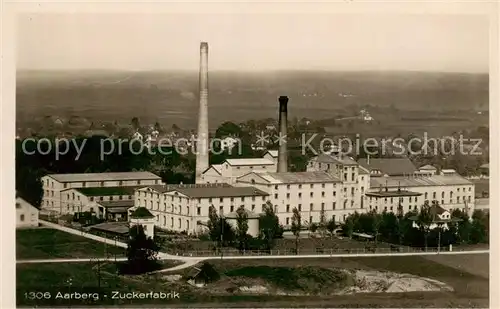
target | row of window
x=179, y=222
x=210, y=200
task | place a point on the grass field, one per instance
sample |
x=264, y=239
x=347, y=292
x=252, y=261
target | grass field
x=471, y=289
x=44, y=243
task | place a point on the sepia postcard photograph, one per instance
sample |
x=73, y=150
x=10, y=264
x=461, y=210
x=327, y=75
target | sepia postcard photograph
x=320, y=155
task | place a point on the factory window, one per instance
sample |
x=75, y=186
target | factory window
x=310, y=219
x=391, y=208
x=323, y=185
x=322, y=206
x=458, y=189
x=187, y=224
x=334, y=204
x=311, y=206
x=385, y=208
x=275, y=195
x=288, y=187
x=65, y=185
x=253, y=181
x=352, y=191
x=312, y=186
x=221, y=199
x=180, y=222
x=101, y=198
x=442, y=202
x=458, y=199
x=442, y=194
x=311, y=194
x=199, y=200
x=287, y=208
x=253, y=207
x=221, y=209
x=352, y=177
x=385, y=199
x=451, y=201
x=409, y=199
x=119, y=197
x=263, y=198
x=18, y=205
x=322, y=194
x=253, y=198
x=345, y=190
x=52, y=193
x=263, y=207
x=470, y=189
x=300, y=186
x=287, y=221
x=362, y=189
x=300, y=195
x=171, y=222
x=232, y=208
x=288, y=195
x=362, y=178
x=352, y=204
x=300, y=207
x=345, y=177
x=392, y=200
x=210, y=200
x=345, y=204
x=242, y=198
x=463, y=189
x=334, y=193
x=232, y=199
x=164, y=220
x=22, y=217
x=469, y=198
x=276, y=187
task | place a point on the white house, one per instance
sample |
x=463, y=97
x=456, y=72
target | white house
x=186, y=207
x=54, y=184
x=231, y=169
x=309, y=192
x=26, y=214
x=142, y=216
x=252, y=221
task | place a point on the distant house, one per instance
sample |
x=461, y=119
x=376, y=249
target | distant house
x=448, y=172
x=26, y=214
x=426, y=170
x=441, y=217
x=485, y=169
x=388, y=166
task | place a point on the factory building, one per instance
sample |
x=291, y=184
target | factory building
x=55, y=184
x=309, y=192
x=186, y=207
x=26, y=214
x=231, y=169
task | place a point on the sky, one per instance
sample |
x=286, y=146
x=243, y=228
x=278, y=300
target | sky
x=450, y=43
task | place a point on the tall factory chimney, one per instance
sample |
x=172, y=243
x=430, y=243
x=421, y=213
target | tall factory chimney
x=283, y=154
x=202, y=138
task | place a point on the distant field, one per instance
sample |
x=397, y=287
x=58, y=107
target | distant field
x=44, y=243
x=170, y=97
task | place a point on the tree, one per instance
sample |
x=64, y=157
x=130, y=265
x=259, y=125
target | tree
x=213, y=220
x=135, y=123
x=242, y=227
x=424, y=220
x=228, y=129
x=331, y=226
x=142, y=252
x=322, y=222
x=157, y=127
x=348, y=226
x=269, y=226
x=313, y=227
x=219, y=229
x=296, y=227
x=377, y=221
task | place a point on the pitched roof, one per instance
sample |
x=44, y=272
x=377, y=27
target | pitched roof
x=428, y=167
x=298, y=177
x=104, y=176
x=421, y=181
x=22, y=201
x=363, y=171
x=249, y=161
x=438, y=210
x=125, y=203
x=209, y=192
x=141, y=212
x=107, y=191
x=273, y=153
x=389, y=166
x=343, y=160
x=172, y=187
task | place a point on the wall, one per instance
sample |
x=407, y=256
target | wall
x=26, y=214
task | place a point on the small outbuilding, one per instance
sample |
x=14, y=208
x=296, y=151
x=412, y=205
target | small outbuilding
x=142, y=216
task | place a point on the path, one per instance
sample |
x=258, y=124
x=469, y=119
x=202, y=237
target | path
x=190, y=260
x=79, y=260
